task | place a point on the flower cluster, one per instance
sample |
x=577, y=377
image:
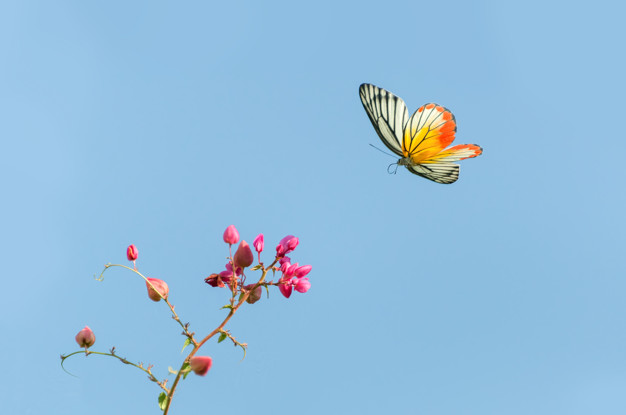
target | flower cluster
x=293, y=276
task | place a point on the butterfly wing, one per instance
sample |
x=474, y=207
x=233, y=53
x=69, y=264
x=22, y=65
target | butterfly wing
x=429, y=130
x=388, y=114
x=440, y=167
x=456, y=153
x=445, y=173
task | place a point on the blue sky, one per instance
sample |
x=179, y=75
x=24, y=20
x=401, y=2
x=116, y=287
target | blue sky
x=160, y=124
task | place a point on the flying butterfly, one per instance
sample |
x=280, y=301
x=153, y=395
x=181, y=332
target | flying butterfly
x=420, y=140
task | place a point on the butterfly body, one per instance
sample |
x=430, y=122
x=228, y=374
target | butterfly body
x=420, y=140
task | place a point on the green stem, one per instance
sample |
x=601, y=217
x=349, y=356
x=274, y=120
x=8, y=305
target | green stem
x=174, y=315
x=148, y=371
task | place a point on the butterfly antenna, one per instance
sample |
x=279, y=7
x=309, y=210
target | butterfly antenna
x=394, y=170
x=382, y=151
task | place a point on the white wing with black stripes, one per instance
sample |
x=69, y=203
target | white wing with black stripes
x=445, y=173
x=388, y=114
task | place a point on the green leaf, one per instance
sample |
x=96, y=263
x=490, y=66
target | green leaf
x=186, y=370
x=172, y=371
x=227, y=306
x=254, y=268
x=222, y=337
x=162, y=401
x=187, y=343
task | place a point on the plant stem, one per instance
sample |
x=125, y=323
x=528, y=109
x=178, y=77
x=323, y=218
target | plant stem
x=197, y=346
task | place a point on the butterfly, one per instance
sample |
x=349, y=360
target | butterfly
x=420, y=140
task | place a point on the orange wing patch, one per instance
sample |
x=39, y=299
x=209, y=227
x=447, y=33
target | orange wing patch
x=429, y=130
x=456, y=153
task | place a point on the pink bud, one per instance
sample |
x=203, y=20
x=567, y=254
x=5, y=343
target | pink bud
x=160, y=286
x=231, y=236
x=291, y=270
x=302, y=285
x=200, y=364
x=302, y=271
x=243, y=257
x=284, y=259
x=132, y=253
x=254, y=295
x=229, y=268
x=286, y=245
x=285, y=287
x=85, y=338
x=258, y=243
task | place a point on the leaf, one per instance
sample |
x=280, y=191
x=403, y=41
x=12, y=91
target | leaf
x=171, y=370
x=222, y=337
x=187, y=343
x=254, y=268
x=227, y=306
x=162, y=401
x=185, y=370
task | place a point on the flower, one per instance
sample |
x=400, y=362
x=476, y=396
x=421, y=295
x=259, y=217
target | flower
x=301, y=285
x=258, y=243
x=285, y=286
x=243, y=257
x=286, y=245
x=294, y=278
x=132, y=253
x=231, y=236
x=85, y=338
x=302, y=271
x=200, y=364
x=160, y=286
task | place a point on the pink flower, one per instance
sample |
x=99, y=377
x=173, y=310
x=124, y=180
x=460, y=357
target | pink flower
x=302, y=285
x=302, y=271
x=132, y=253
x=85, y=338
x=258, y=243
x=231, y=236
x=284, y=259
x=200, y=364
x=229, y=268
x=286, y=245
x=285, y=286
x=243, y=257
x=160, y=286
x=254, y=295
x=284, y=268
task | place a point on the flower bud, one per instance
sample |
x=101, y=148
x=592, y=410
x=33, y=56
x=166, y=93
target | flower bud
x=160, y=286
x=302, y=271
x=200, y=364
x=132, y=253
x=254, y=295
x=285, y=287
x=302, y=285
x=258, y=243
x=286, y=245
x=231, y=236
x=85, y=338
x=243, y=257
